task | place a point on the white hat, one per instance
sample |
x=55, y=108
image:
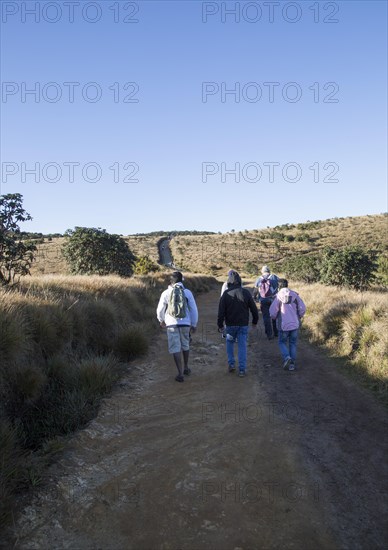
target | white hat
x=265, y=269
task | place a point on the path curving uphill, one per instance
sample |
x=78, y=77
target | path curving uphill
x=165, y=253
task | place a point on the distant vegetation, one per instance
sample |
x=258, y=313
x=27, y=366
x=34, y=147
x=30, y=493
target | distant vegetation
x=247, y=251
x=27, y=235
x=172, y=233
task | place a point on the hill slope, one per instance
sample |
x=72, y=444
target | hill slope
x=244, y=250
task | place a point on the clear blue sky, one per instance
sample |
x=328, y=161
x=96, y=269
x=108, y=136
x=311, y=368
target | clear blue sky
x=172, y=49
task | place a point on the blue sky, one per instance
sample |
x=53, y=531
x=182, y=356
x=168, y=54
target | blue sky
x=325, y=127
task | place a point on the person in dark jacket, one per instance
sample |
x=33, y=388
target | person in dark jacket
x=233, y=311
x=266, y=287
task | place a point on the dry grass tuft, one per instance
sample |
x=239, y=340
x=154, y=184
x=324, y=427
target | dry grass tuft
x=353, y=326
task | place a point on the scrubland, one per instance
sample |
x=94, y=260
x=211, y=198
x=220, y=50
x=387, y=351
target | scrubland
x=246, y=251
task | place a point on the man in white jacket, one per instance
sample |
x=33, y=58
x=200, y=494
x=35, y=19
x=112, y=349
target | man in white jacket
x=178, y=328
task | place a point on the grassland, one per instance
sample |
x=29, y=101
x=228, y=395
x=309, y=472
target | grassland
x=64, y=342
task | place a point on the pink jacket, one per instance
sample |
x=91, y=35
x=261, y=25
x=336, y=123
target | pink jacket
x=287, y=308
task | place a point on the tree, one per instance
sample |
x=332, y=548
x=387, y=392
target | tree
x=90, y=251
x=351, y=267
x=16, y=256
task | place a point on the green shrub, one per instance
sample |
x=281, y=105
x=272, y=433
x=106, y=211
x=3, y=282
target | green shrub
x=382, y=270
x=289, y=238
x=303, y=237
x=302, y=268
x=91, y=251
x=144, y=265
x=351, y=267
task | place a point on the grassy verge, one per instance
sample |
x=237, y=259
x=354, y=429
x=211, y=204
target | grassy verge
x=353, y=326
x=64, y=342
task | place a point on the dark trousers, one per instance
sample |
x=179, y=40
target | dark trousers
x=269, y=324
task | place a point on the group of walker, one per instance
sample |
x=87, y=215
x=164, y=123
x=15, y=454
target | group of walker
x=282, y=310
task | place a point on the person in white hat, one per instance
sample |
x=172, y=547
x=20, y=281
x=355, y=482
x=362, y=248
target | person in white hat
x=266, y=287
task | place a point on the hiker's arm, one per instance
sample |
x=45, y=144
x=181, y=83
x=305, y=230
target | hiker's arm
x=274, y=309
x=221, y=313
x=253, y=308
x=301, y=306
x=161, y=309
x=193, y=310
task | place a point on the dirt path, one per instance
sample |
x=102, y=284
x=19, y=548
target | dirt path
x=165, y=253
x=277, y=460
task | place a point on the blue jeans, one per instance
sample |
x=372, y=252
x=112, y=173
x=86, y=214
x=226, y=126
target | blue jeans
x=287, y=343
x=240, y=335
x=269, y=324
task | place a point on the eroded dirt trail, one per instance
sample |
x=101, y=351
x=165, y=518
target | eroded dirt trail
x=277, y=460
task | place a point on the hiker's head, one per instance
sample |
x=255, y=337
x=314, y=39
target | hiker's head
x=233, y=278
x=176, y=277
x=282, y=283
x=265, y=270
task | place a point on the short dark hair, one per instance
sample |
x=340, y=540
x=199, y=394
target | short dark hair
x=282, y=283
x=176, y=277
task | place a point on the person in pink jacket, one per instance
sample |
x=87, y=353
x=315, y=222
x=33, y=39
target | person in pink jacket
x=288, y=309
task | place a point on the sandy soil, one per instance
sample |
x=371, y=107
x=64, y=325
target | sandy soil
x=276, y=460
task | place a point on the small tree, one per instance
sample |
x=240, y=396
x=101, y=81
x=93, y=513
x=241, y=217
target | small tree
x=351, y=267
x=16, y=256
x=144, y=265
x=91, y=251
